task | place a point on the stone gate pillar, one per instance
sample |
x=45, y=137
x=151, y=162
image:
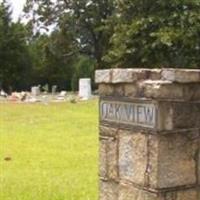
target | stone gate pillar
x=149, y=134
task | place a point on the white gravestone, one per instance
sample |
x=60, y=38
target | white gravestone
x=35, y=91
x=85, y=90
x=54, y=89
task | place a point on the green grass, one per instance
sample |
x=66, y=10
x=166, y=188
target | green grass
x=53, y=151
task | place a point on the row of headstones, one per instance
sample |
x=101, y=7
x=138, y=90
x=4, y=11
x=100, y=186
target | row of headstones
x=36, y=90
x=85, y=89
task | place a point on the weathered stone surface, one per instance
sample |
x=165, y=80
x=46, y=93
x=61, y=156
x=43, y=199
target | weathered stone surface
x=118, y=90
x=178, y=115
x=158, y=162
x=156, y=89
x=154, y=74
x=142, y=74
x=176, y=161
x=186, y=115
x=103, y=159
x=181, y=75
x=108, y=191
x=132, y=75
x=153, y=160
x=130, y=90
x=161, y=90
x=108, y=131
x=191, y=92
x=108, y=159
x=164, y=89
x=155, y=83
x=165, y=117
x=138, y=158
x=129, y=192
x=106, y=90
x=198, y=167
x=132, y=157
x=123, y=75
x=103, y=76
x=188, y=195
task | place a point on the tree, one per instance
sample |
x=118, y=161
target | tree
x=14, y=57
x=83, y=67
x=52, y=59
x=162, y=33
x=87, y=19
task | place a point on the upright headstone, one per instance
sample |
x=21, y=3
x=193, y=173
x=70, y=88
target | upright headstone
x=149, y=134
x=54, y=89
x=85, y=90
x=35, y=91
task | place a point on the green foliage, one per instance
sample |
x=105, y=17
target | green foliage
x=55, y=64
x=91, y=34
x=164, y=33
x=83, y=68
x=86, y=19
x=14, y=57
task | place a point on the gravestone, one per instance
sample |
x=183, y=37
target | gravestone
x=149, y=134
x=35, y=91
x=85, y=90
x=54, y=89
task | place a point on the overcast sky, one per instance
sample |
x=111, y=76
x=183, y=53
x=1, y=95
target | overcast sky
x=17, y=7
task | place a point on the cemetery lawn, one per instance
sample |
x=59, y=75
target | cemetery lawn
x=49, y=152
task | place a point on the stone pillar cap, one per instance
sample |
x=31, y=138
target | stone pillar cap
x=137, y=74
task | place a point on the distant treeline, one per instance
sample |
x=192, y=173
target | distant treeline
x=94, y=34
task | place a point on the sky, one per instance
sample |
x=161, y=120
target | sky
x=17, y=7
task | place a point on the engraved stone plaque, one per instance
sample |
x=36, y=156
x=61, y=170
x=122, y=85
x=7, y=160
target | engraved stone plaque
x=128, y=113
